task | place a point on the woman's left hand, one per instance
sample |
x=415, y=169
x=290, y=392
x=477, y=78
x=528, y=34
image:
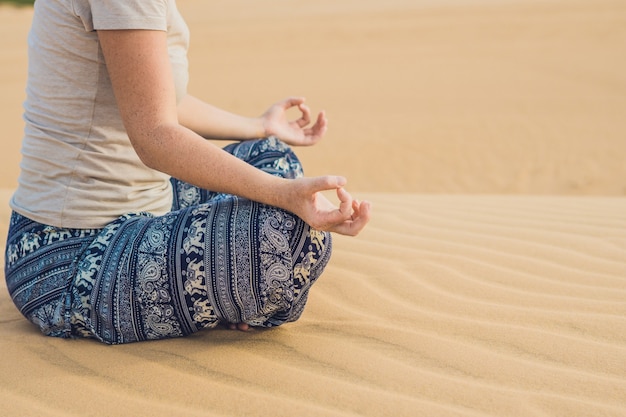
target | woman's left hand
x=294, y=132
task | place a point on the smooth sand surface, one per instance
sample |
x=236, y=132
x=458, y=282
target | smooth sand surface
x=491, y=138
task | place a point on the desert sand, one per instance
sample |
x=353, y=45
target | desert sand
x=490, y=137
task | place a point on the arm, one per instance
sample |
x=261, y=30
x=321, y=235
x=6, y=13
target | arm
x=140, y=73
x=211, y=122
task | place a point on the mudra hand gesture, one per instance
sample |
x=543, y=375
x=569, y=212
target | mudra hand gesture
x=305, y=198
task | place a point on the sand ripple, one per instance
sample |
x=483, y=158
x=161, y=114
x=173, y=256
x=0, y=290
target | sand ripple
x=446, y=306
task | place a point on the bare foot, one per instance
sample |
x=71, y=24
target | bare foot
x=244, y=327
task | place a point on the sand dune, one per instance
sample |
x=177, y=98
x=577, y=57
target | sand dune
x=447, y=305
x=492, y=279
x=480, y=96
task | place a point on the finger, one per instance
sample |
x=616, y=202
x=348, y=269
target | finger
x=364, y=214
x=305, y=119
x=356, y=209
x=319, y=128
x=357, y=224
x=322, y=120
x=353, y=226
x=345, y=202
x=292, y=102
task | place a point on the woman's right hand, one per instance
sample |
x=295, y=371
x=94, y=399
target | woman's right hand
x=307, y=201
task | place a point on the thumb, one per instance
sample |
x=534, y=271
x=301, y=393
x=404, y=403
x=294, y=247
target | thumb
x=328, y=182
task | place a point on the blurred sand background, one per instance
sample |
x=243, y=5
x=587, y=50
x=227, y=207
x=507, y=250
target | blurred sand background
x=491, y=138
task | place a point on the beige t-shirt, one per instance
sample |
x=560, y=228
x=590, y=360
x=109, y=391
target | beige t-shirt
x=78, y=166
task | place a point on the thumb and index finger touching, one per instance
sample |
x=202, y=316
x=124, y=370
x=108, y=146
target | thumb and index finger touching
x=351, y=216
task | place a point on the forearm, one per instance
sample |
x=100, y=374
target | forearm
x=182, y=154
x=211, y=122
x=168, y=136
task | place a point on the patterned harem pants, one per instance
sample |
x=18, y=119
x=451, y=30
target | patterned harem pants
x=214, y=258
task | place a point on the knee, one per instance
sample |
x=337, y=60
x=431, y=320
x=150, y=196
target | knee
x=304, y=251
x=311, y=260
x=286, y=303
x=271, y=155
x=281, y=159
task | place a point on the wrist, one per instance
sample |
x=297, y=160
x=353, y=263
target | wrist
x=284, y=193
x=258, y=127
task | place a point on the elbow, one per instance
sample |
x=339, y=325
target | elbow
x=146, y=154
x=152, y=147
x=149, y=161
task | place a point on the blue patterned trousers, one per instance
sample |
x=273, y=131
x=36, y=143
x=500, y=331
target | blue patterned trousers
x=214, y=258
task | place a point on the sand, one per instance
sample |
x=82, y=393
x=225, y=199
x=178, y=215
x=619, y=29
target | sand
x=492, y=279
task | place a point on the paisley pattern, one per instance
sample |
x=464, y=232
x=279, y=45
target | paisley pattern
x=214, y=258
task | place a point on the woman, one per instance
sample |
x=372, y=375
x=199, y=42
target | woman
x=114, y=233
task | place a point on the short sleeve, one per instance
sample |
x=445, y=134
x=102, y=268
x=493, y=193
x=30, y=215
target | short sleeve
x=122, y=14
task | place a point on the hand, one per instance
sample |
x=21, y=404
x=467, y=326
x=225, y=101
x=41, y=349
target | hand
x=295, y=132
x=320, y=213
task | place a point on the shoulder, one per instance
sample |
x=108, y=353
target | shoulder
x=122, y=14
